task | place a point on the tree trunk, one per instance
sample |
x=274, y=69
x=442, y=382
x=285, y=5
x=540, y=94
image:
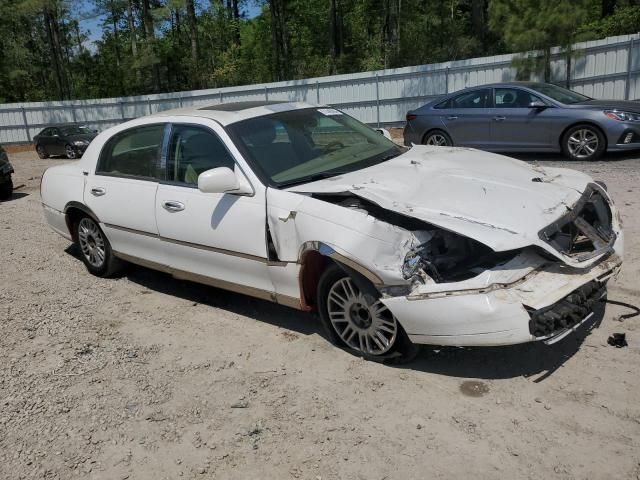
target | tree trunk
x=132, y=29
x=478, y=21
x=236, y=22
x=391, y=32
x=335, y=31
x=147, y=20
x=279, y=38
x=608, y=7
x=195, y=48
x=53, y=34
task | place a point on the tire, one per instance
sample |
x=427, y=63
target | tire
x=583, y=142
x=42, y=153
x=6, y=189
x=369, y=329
x=70, y=152
x=95, y=249
x=437, y=138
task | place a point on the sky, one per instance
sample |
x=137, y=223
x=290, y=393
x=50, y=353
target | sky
x=90, y=22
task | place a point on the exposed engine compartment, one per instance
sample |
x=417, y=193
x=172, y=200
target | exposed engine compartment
x=439, y=255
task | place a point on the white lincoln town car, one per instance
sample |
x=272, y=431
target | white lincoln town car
x=307, y=207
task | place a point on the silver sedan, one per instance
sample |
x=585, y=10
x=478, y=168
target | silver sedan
x=526, y=117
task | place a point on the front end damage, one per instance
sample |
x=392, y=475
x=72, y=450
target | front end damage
x=458, y=291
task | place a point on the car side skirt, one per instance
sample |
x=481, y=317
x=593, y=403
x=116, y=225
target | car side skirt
x=214, y=282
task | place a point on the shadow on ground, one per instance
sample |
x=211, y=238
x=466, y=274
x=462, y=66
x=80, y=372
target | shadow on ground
x=15, y=196
x=558, y=157
x=528, y=360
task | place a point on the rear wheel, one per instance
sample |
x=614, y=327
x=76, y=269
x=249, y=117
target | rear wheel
x=359, y=321
x=42, y=153
x=437, y=138
x=95, y=249
x=583, y=142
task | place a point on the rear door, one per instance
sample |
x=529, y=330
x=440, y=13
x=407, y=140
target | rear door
x=515, y=125
x=122, y=191
x=467, y=118
x=214, y=238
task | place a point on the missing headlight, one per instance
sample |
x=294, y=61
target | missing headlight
x=449, y=257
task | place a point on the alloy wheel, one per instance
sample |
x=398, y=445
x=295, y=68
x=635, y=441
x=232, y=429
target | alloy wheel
x=437, y=139
x=91, y=242
x=367, y=327
x=70, y=151
x=583, y=143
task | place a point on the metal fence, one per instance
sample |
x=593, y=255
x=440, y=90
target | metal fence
x=608, y=68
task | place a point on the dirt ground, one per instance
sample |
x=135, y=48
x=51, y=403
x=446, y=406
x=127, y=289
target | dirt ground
x=147, y=377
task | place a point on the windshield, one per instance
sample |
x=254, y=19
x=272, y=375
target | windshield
x=299, y=146
x=560, y=94
x=75, y=130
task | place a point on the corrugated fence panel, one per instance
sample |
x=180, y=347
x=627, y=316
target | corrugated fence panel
x=607, y=68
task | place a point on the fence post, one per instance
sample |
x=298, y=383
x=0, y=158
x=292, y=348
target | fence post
x=317, y=92
x=377, y=101
x=446, y=81
x=73, y=113
x=121, y=110
x=149, y=105
x=266, y=93
x=220, y=96
x=26, y=124
x=627, y=87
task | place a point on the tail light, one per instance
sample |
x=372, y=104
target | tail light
x=411, y=116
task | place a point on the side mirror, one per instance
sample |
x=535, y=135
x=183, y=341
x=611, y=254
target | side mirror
x=221, y=180
x=384, y=132
x=538, y=105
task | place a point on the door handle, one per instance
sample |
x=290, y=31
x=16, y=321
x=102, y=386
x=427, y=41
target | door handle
x=452, y=117
x=98, y=191
x=499, y=118
x=173, y=206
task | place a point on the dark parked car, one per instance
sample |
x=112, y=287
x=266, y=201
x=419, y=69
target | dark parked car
x=6, y=184
x=68, y=140
x=526, y=117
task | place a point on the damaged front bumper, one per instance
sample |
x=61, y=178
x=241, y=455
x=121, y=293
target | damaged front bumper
x=501, y=313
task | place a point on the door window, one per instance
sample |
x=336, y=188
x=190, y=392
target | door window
x=475, y=99
x=514, y=98
x=133, y=153
x=193, y=150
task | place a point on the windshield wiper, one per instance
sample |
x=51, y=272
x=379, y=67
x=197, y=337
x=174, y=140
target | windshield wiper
x=312, y=178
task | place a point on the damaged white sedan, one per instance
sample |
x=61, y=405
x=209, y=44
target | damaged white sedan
x=309, y=208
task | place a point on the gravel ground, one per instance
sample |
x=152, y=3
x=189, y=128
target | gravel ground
x=147, y=377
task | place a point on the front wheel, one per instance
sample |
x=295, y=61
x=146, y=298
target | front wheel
x=6, y=189
x=95, y=249
x=359, y=321
x=70, y=152
x=437, y=138
x=583, y=142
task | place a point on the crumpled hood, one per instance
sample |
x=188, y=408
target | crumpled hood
x=491, y=198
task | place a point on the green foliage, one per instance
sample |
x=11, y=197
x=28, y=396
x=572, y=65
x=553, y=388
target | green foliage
x=47, y=57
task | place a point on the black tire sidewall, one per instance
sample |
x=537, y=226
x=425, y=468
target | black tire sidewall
x=43, y=155
x=401, y=352
x=6, y=189
x=599, y=151
x=438, y=132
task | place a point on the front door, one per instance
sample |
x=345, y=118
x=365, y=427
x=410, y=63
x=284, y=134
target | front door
x=517, y=126
x=122, y=192
x=214, y=238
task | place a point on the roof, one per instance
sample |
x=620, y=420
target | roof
x=228, y=113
